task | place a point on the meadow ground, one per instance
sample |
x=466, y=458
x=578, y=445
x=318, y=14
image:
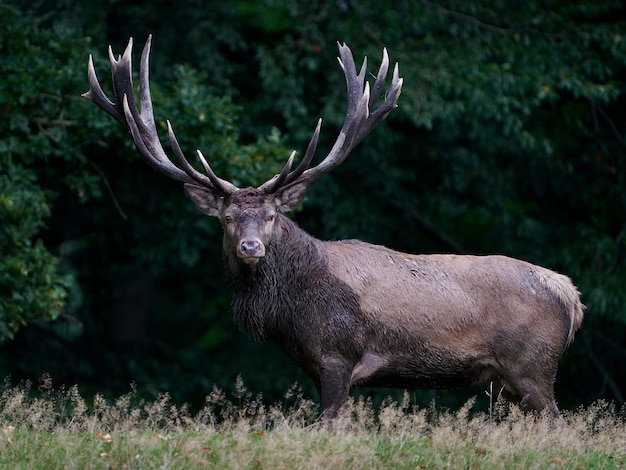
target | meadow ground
x=56, y=429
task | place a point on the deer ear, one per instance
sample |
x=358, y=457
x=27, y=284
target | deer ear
x=207, y=201
x=291, y=196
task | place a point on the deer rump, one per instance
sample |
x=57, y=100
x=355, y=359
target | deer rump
x=353, y=314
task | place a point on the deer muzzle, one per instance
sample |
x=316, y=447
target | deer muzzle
x=251, y=250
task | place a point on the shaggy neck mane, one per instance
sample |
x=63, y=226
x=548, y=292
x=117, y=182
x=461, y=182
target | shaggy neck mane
x=269, y=293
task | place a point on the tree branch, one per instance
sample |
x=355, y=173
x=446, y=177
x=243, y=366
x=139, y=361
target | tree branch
x=613, y=127
x=608, y=380
x=110, y=191
x=429, y=228
x=489, y=27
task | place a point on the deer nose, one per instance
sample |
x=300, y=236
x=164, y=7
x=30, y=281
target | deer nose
x=252, y=249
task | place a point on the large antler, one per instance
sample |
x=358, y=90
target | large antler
x=141, y=123
x=360, y=120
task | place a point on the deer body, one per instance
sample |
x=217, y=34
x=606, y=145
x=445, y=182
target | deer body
x=354, y=314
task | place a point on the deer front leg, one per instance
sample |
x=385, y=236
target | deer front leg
x=334, y=385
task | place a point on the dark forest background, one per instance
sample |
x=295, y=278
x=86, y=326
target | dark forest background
x=510, y=137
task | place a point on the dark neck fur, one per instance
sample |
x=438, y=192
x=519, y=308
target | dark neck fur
x=266, y=297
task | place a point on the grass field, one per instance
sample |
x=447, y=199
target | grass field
x=56, y=429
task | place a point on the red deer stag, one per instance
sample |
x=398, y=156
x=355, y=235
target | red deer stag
x=350, y=313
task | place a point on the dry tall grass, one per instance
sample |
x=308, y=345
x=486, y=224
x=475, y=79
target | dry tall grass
x=57, y=429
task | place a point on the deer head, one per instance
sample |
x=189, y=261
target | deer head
x=248, y=215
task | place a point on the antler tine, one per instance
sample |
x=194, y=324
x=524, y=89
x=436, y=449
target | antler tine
x=141, y=124
x=392, y=96
x=380, y=77
x=271, y=186
x=225, y=187
x=97, y=95
x=147, y=114
x=308, y=155
x=210, y=179
x=354, y=82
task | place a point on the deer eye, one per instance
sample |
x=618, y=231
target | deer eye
x=228, y=219
x=269, y=218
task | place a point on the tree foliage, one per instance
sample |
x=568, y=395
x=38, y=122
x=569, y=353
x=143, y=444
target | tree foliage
x=509, y=138
x=32, y=288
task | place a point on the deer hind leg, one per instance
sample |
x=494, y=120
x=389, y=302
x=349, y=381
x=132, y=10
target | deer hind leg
x=534, y=395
